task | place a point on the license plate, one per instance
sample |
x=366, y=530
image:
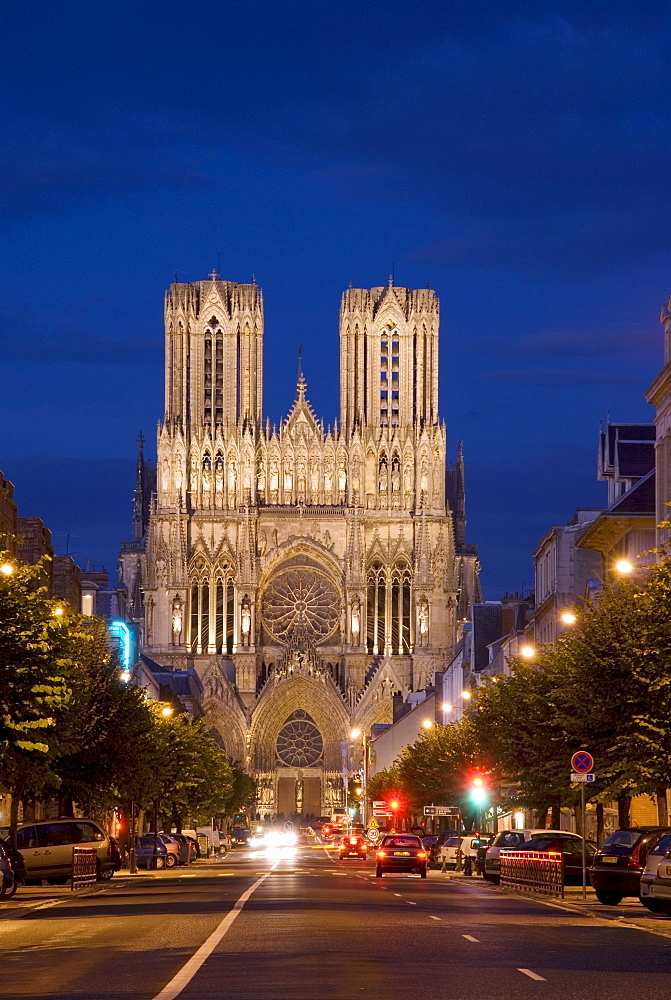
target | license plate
x=610, y=859
x=401, y=854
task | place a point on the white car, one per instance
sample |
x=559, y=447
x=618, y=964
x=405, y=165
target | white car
x=447, y=853
x=512, y=839
x=650, y=894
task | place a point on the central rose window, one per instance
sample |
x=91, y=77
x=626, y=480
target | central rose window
x=299, y=743
x=304, y=599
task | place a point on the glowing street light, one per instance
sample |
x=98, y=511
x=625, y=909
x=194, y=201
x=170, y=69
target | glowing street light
x=624, y=566
x=568, y=617
x=446, y=706
x=6, y=569
x=528, y=652
x=355, y=734
x=166, y=711
x=427, y=723
x=59, y=611
x=466, y=694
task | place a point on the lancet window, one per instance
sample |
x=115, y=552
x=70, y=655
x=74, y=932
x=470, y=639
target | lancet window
x=213, y=374
x=388, y=609
x=212, y=612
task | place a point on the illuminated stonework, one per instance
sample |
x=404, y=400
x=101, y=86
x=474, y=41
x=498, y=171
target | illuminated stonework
x=299, y=743
x=306, y=567
x=301, y=599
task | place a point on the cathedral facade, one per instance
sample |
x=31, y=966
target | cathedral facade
x=307, y=573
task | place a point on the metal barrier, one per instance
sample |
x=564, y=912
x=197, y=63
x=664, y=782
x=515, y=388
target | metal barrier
x=84, y=867
x=533, y=871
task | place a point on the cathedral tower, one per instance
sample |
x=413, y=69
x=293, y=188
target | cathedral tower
x=307, y=573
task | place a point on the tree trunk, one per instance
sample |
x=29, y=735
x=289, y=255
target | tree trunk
x=14, y=815
x=555, y=819
x=623, y=806
x=542, y=818
x=662, y=807
x=66, y=806
x=599, y=822
x=577, y=812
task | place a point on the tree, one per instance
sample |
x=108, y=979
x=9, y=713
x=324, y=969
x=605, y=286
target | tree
x=34, y=668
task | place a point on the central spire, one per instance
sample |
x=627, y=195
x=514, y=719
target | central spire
x=301, y=384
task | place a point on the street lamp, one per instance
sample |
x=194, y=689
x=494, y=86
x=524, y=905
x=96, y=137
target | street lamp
x=167, y=711
x=356, y=734
x=528, y=652
x=427, y=724
x=624, y=566
x=568, y=617
x=6, y=569
x=466, y=694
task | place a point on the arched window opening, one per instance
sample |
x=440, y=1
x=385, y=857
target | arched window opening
x=376, y=607
x=400, y=610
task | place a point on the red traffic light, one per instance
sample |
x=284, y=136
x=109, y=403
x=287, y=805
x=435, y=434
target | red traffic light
x=394, y=805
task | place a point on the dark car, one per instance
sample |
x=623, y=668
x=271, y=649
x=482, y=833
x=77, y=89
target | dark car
x=570, y=849
x=620, y=860
x=12, y=870
x=148, y=855
x=241, y=836
x=401, y=852
x=353, y=845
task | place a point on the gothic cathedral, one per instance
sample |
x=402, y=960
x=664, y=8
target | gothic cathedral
x=307, y=573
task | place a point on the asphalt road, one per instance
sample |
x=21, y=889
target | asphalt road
x=316, y=929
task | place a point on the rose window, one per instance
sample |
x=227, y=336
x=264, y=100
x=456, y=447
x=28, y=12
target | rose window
x=303, y=600
x=299, y=743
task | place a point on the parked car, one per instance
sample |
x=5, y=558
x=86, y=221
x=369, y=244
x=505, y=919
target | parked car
x=401, y=852
x=447, y=851
x=513, y=839
x=619, y=862
x=660, y=887
x=438, y=843
x=47, y=845
x=148, y=856
x=186, y=852
x=570, y=849
x=10, y=878
x=656, y=852
x=354, y=844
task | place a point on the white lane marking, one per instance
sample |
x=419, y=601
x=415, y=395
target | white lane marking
x=397, y=894
x=188, y=971
x=410, y=902
x=434, y=918
x=532, y=975
x=188, y=876
x=469, y=937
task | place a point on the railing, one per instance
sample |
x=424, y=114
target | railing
x=533, y=871
x=84, y=867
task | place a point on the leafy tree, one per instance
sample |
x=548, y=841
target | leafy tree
x=34, y=668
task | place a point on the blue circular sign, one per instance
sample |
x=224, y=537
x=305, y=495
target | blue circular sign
x=582, y=762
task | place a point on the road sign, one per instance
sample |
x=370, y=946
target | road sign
x=429, y=810
x=576, y=776
x=373, y=834
x=373, y=822
x=379, y=804
x=582, y=761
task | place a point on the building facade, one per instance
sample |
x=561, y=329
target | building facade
x=307, y=573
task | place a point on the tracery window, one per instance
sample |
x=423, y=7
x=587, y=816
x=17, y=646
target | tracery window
x=301, y=598
x=212, y=612
x=376, y=608
x=299, y=743
x=388, y=609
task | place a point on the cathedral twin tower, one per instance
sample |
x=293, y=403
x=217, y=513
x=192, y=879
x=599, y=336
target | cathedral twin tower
x=307, y=574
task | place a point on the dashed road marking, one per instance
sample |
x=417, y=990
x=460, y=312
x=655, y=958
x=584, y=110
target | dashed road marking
x=410, y=902
x=469, y=937
x=434, y=918
x=397, y=894
x=532, y=975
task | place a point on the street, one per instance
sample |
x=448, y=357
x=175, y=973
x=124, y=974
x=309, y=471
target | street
x=316, y=928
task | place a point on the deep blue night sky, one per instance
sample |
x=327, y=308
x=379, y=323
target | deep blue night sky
x=513, y=156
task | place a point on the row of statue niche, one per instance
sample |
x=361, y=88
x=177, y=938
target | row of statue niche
x=383, y=476
x=273, y=478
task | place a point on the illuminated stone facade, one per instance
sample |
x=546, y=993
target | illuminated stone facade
x=308, y=574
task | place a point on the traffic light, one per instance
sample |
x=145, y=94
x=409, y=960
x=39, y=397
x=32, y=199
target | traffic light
x=478, y=790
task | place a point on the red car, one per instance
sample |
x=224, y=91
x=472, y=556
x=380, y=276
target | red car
x=353, y=844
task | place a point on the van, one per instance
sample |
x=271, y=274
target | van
x=47, y=846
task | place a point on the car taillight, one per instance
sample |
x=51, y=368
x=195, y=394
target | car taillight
x=635, y=857
x=382, y=854
x=421, y=854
